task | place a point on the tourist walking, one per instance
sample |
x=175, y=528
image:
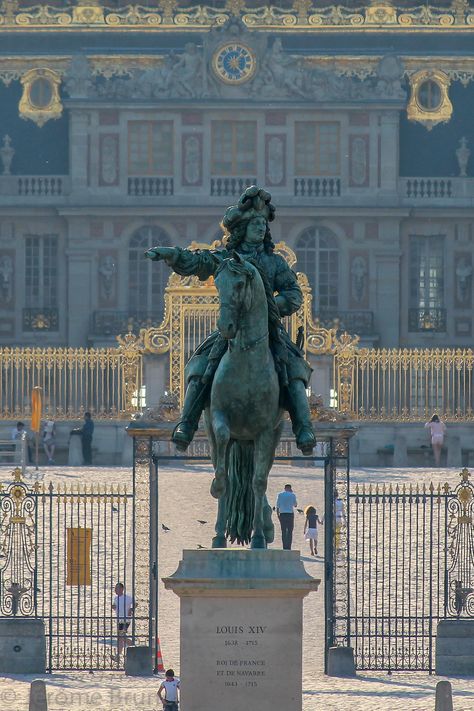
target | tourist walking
x=49, y=440
x=87, y=432
x=311, y=528
x=124, y=608
x=285, y=505
x=437, y=432
x=168, y=691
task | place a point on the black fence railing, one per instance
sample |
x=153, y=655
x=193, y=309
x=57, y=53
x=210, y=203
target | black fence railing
x=38, y=319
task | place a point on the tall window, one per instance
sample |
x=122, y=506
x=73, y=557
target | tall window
x=146, y=280
x=427, y=271
x=150, y=148
x=41, y=271
x=317, y=149
x=234, y=145
x=318, y=258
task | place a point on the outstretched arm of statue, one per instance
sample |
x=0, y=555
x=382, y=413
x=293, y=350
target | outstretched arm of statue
x=202, y=263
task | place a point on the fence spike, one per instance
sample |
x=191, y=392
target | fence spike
x=432, y=487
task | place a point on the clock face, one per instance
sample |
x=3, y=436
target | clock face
x=234, y=63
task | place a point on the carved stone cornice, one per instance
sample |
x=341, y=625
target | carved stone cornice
x=299, y=15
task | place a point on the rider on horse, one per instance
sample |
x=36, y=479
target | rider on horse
x=246, y=225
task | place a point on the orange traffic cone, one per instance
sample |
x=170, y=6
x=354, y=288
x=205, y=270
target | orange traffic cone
x=159, y=659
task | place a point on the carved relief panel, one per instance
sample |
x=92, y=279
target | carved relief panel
x=359, y=280
x=7, y=272
x=192, y=159
x=359, y=161
x=107, y=278
x=108, y=159
x=275, y=160
x=462, y=280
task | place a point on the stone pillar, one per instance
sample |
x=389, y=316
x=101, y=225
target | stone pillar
x=389, y=130
x=388, y=296
x=79, y=150
x=455, y=647
x=80, y=289
x=241, y=628
x=22, y=646
x=75, y=451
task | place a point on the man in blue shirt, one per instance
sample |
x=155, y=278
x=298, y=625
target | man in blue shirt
x=285, y=505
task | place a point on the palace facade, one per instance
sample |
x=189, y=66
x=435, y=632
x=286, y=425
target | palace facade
x=124, y=127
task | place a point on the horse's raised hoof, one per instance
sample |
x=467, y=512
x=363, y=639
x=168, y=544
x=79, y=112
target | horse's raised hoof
x=219, y=542
x=258, y=541
x=218, y=488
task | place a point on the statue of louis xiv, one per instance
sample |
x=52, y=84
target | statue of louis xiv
x=246, y=226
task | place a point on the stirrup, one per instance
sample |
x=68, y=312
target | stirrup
x=183, y=435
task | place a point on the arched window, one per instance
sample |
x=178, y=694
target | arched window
x=146, y=279
x=318, y=258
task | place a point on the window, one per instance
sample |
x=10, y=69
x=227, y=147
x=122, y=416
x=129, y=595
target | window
x=146, y=280
x=150, y=148
x=427, y=271
x=41, y=271
x=318, y=258
x=316, y=148
x=234, y=145
x=429, y=95
x=426, y=312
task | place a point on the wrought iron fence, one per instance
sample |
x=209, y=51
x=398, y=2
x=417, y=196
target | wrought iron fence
x=403, y=384
x=104, y=381
x=403, y=560
x=62, y=551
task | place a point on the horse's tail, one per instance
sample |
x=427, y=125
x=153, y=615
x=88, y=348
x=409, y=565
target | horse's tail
x=240, y=497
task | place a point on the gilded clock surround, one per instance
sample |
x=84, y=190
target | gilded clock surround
x=234, y=53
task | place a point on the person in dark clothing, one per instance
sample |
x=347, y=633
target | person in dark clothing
x=87, y=431
x=285, y=505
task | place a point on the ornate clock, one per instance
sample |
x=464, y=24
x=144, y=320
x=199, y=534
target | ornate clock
x=234, y=63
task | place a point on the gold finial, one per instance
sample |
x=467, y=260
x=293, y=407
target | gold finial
x=17, y=474
x=465, y=475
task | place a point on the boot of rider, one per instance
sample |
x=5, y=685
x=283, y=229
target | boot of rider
x=193, y=405
x=300, y=415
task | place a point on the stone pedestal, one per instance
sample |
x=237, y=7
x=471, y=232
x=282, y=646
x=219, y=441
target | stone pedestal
x=75, y=451
x=22, y=646
x=455, y=647
x=241, y=628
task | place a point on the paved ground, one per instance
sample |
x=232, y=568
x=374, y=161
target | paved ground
x=183, y=500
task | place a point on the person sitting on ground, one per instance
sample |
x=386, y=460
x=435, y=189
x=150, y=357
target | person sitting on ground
x=437, y=432
x=170, y=688
x=311, y=528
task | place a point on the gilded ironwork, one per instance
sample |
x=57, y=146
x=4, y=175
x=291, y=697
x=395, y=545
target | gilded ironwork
x=40, y=100
x=299, y=15
x=403, y=385
x=17, y=548
x=191, y=311
x=104, y=381
x=460, y=601
x=429, y=102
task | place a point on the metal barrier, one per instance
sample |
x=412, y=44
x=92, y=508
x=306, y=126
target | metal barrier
x=104, y=381
x=14, y=451
x=403, y=385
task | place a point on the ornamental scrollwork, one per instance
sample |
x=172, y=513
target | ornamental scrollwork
x=460, y=572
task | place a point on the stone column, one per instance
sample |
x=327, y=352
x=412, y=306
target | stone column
x=81, y=287
x=79, y=150
x=389, y=130
x=388, y=297
x=241, y=628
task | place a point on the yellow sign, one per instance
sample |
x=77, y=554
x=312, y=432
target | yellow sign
x=79, y=556
x=36, y=409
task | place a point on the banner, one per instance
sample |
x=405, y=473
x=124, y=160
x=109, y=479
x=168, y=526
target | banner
x=36, y=409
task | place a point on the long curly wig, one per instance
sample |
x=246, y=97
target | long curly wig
x=234, y=237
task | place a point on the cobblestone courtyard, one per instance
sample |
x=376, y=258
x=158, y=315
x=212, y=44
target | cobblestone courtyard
x=183, y=500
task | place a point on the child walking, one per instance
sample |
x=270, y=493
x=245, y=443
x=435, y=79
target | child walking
x=311, y=528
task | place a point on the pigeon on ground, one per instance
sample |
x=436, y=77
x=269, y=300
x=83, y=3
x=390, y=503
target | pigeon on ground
x=201, y=522
x=300, y=510
x=114, y=509
x=200, y=547
x=165, y=528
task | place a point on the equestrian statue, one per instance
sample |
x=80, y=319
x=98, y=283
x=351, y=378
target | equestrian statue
x=245, y=374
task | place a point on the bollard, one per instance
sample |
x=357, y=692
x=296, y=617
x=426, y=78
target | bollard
x=444, y=696
x=341, y=661
x=138, y=662
x=38, y=700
